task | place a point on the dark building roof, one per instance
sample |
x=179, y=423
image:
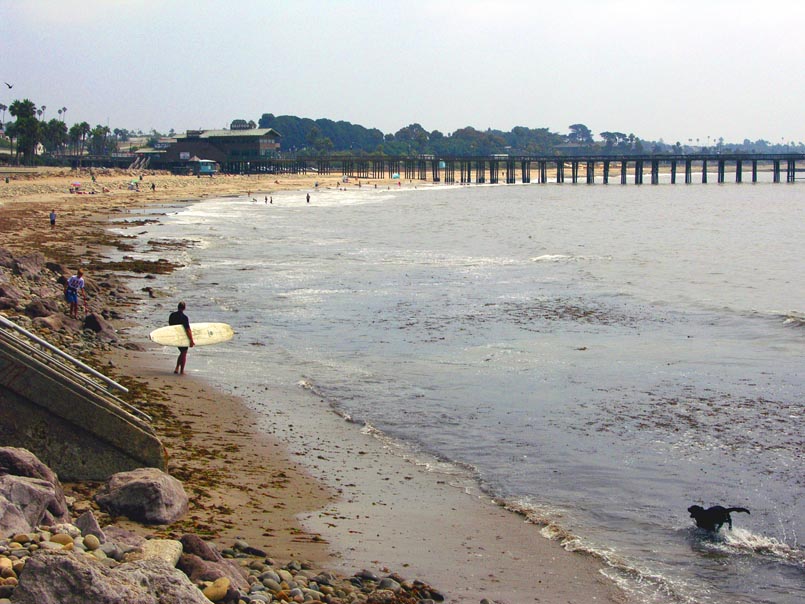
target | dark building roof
x=208, y=134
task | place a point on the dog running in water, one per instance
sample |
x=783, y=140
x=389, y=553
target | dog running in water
x=712, y=519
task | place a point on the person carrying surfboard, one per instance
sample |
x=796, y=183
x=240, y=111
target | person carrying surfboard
x=179, y=318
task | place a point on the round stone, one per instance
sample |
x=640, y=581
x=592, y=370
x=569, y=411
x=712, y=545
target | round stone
x=61, y=539
x=91, y=542
x=217, y=591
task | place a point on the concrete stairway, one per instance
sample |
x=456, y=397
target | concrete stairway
x=63, y=411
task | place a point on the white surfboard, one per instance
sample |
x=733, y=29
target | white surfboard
x=204, y=334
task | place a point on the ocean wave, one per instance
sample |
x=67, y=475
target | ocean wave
x=644, y=585
x=793, y=319
x=570, y=258
x=743, y=542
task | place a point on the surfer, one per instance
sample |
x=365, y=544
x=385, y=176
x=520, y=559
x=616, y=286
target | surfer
x=71, y=288
x=179, y=318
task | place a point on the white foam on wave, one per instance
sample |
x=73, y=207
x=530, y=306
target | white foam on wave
x=641, y=583
x=570, y=258
x=742, y=541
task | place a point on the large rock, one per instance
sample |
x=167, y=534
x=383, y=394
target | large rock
x=100, y=326
x=88, y=525
x=31, y=496
x=29, y=266
x=167, y=550
x=202, y=562
x=39, y=307
x=67, y=578
x=12, y=519
x=15, y=461
x=52, y=322
x=146, y=495
x=7, y=290
x=6, y=258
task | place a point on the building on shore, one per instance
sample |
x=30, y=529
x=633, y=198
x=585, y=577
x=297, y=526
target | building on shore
x=227, y=148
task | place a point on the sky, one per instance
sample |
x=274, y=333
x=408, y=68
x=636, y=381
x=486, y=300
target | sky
x=676, y=70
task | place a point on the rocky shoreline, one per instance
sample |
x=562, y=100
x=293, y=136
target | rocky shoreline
x=44, y=563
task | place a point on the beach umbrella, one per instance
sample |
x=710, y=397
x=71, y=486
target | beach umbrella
x=76, y=184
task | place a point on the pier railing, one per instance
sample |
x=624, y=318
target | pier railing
x=622, y=168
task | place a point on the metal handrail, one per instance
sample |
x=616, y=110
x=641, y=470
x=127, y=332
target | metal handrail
x=57, y=351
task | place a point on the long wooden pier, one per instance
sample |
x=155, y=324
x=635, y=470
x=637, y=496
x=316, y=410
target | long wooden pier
x=623, y=169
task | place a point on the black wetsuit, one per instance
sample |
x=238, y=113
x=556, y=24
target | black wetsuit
x=179, y=318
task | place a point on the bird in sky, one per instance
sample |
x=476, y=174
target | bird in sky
x=9, y=85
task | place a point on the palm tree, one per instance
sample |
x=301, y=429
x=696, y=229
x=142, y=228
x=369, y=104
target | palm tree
x=3, y=109
x=43, y=112
x=63, y=112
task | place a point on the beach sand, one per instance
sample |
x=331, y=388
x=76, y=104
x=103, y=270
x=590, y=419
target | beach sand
x=294, y=478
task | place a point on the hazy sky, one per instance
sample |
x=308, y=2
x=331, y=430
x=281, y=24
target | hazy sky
x=676, y=69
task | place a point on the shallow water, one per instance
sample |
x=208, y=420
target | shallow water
x=601, y=356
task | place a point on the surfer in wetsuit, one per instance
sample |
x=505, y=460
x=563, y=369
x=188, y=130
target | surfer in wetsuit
x=179, y=318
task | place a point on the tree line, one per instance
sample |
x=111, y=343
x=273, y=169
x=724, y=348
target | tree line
x=308, y=137
x=31, y=134
x=31, y=137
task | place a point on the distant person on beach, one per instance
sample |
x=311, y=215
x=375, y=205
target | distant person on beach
x=153, y=186
x=179, y=318
x=53, y=219
x=71, y=288
x=308, y=197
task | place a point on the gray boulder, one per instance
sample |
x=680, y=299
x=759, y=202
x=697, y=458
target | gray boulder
x=100, y=326
x=12, y=519
x=10, y=291
x=68, y=578
x=31, y=496
x=52, y=322
x=6, y=258
x=29, y=266
x=16, y=461
x=88, y=525
x=202, y=562
x=39, y=307
x=146, y=495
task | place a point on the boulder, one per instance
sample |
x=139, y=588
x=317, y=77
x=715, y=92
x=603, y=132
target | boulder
x=146, y=495
x=202, y=562
x=51, y=322
x=168, y=585
x=88, y=525
x=39, y=307
x=68, y=578
x=55, y=267
x=167, y=550
x=29, y=266
x=7, y=290
x=123, y=537
x=21, y=462
x=31, y=496
x=6, y=258
x=12, y=520
x=100, y=326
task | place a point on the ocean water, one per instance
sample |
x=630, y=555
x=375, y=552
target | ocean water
x=600, y=357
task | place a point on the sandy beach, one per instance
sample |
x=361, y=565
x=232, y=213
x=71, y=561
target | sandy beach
x=309, y=485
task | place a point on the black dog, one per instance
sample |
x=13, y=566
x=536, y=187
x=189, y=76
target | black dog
x=712, y=519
